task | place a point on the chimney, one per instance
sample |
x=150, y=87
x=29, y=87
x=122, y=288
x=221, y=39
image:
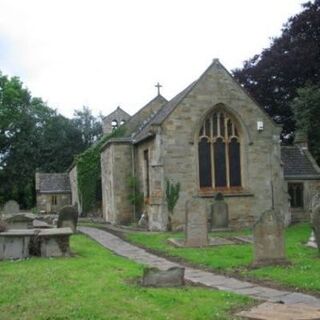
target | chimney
x=301, y=140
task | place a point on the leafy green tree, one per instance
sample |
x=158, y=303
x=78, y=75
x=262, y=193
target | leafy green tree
x=90, y=127
x=293, y=59
x=306, y=107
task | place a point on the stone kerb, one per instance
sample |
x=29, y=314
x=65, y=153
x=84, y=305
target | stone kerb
x=196, y=230
x=68, y=218
x=268, y=235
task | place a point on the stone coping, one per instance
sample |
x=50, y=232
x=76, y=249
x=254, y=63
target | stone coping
x=38, y=232
x=18, y=232
x=55, y=231
x=16, y=217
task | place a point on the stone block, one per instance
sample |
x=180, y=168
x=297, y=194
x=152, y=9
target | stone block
x=14, y=244
x=268, y=240
x=196, y=230
x=173, y=277
x=55, y=242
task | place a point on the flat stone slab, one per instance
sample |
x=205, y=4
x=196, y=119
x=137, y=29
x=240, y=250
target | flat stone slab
x=276, y=311
x=213, y=241
x=55, y=232
x=41, y=224
x=18, y=232
x=244, y=239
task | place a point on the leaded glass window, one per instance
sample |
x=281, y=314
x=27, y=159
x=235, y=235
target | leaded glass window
x=219, y=152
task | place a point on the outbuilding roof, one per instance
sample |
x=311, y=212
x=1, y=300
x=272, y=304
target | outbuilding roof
x=52, y=183
x=299, y=163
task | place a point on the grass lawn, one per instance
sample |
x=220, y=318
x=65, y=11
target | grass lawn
x=96, y=284
x=302, y=274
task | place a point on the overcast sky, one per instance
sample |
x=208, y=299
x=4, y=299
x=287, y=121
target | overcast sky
x=105, y=53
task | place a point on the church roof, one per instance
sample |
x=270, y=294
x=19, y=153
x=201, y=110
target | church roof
x=298, y=163
x=116, y=111
x=145, y=130
x=52, y=183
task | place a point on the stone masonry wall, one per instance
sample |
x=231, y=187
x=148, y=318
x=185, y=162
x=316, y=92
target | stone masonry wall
x=73, y=176
x=44, y=202
x=116, y=168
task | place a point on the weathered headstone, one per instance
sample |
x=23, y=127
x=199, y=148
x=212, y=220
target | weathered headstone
x=315, y=220
x=268, y=236
x=68, y=217
x=219, y=212
x=153, y=277
x=196, y=230
x=11, y=207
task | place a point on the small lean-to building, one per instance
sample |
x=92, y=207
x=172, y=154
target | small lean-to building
x=53, y=191
x=302, y=176
x=211, y=137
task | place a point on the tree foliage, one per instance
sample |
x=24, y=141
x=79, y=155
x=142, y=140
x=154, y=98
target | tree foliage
x=306, y=108
x=293, y=59
x=32, y=136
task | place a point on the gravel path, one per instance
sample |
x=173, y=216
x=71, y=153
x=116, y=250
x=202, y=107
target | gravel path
x=209, y=279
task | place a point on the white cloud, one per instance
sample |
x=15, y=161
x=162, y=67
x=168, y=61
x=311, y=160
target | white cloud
x=108, y=53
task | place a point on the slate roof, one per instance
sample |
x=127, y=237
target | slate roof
x=52, y=183
x=298, y=163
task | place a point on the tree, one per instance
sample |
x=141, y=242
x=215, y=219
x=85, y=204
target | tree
x=273, y=76
x=90, y=127
x=306, y=108
x=31, y=136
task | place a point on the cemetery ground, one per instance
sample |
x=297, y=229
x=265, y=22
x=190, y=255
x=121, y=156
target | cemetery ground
x=97, y=284
x=301, y=275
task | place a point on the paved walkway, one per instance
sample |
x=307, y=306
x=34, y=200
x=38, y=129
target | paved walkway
x=197, y=276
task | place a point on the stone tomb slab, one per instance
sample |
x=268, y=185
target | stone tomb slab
x=55, y=242
x=244, y=239
x=20, y=221
x=14, y=244
x=276, y=311
x=212, y=241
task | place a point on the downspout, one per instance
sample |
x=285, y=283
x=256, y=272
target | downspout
x=133, y=174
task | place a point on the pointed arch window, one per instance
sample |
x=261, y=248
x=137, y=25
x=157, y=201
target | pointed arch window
x=219, y=152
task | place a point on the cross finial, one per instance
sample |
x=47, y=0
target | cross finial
x=158, y=86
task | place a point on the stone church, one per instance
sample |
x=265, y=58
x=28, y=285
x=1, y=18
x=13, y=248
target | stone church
x=212, y=137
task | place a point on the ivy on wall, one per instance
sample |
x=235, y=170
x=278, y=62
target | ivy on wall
x=89, y=173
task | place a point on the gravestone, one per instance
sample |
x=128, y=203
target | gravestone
x=153, y=277
x=68, y=217
x=312, y=241
x=11, y=207
x=315, y=220
x=219, y=212
x=268, y=239
x=196, y=230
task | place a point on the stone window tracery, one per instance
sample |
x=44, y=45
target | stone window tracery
x=219, y=152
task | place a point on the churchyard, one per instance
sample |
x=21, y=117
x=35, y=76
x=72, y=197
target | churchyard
x=97, y=284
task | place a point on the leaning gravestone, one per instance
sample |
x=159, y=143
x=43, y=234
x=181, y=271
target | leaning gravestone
x=11, y=207
x=268, y=236
x=315, y=220
x=219, y=212
x=173, y=277
x=196, y=230
x=68, y=217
